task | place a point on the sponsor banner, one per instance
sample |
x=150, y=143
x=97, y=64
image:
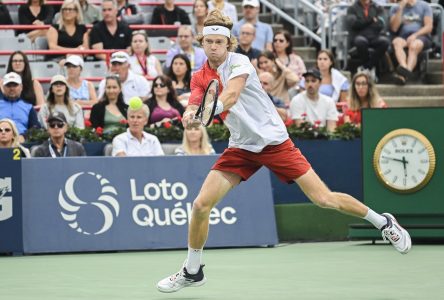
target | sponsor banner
x=10, y=201
x=93, y=204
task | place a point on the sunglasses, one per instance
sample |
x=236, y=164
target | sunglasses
x=56, y=124
x=5, y=129
x=279, y=40
x=160, y=85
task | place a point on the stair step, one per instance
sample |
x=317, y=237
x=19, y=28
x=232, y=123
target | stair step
x=422, y=90
x=434, y=78
x=435, y=65
x=414, y=101
x=276, y=27
x=306, y=53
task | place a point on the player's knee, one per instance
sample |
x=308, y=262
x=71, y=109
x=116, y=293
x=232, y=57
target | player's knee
x=201, y=207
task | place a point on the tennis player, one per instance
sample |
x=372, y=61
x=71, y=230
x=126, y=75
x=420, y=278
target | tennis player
x=258, y=138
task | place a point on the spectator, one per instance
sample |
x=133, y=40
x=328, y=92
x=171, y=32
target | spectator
x=135, y=141
x=264, y=32
x=195, y=141
x=226, y=8
x=180, y=73
x=184, y=44
x=12, y=106
x=35, y=12
x=318, y=108
x=142, y=62
x=70, y=32
x=9, y=137
x=412, y=22
x=267, y=81
x=109, y=33
x=334, y=84
x=109, y=113
x=284, y=78
x=80, y=90
x=125, y=9
x=367, y=22
x=58, y=100
x=283, y=50
x=363, y=94
x=58, y=145
x=133, y=85
x=169, y=14
x=32, y=91
x=163, y=103
x=200, y=12
x=91, y=14
x=5, y=17
x=245, y=47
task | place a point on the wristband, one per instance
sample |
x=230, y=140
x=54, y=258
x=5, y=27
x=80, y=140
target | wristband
x=219, y=107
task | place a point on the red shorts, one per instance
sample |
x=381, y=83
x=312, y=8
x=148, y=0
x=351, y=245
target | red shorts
x=285, y=160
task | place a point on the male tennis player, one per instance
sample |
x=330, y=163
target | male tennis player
x=258, y=137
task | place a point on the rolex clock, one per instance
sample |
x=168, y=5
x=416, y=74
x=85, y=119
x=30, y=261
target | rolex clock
x=404, y=160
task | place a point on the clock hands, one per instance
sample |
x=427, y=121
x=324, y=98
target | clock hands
x=404, y=163
x=403, y=160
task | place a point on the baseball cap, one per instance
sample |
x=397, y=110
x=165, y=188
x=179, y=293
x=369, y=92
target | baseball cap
x=74, y=60
x=12, y=77
x=120, y=57
x=313, y=72
x=58, y=78
x=254, y=3
x=57, y=116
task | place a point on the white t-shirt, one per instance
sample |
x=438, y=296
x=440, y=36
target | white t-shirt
x=126, y=142
x=253, y=121
x=321, y=110
x=134, y=85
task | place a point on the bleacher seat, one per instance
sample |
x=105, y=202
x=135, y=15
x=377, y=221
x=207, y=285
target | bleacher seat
x=159, y=43
x=94, y=69
x=3, y=67
x=21, y=42
x=44, y=68
x=40, y=43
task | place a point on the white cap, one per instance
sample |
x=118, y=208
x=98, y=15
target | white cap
x=12, y=77
x=74, y=60
x=120, y=57
x=254, y=3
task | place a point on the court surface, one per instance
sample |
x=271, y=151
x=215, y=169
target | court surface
x=335, y=270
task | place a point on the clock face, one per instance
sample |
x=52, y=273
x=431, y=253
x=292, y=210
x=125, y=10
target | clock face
x=404, y=160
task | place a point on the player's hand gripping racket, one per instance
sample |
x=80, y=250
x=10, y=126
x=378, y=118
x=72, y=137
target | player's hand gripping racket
x=207, y=108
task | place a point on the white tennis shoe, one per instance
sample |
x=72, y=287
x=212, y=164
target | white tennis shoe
x=398, y=236
x=181, y=279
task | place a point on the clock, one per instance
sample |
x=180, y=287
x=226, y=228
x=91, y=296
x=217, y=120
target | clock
x=404, y=160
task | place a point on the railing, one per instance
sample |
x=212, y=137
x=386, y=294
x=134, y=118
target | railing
x=99, y=3
x=132, y=26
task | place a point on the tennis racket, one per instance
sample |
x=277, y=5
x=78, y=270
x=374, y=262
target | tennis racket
x=207, y=108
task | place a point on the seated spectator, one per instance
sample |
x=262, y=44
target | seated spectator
x=58, y=100
x=141, y=61
x=264, y=32
x=363, y=94
x=334, y=84
x=135, y=141
x=283, y=50
x=169, y=14
x=70, y=32
x=58, y=145
x=246, y=38
x=35, y=12
x=13, y=107
x=5, y=17
x=32, y=91
x=200, y=12
x=9, y=137
x=226, y=8
x=366, y=21
x=133, y=85
x=109, y=113
x=318, y=108
x=184, y=44
x=163, y=103
x=180, y=73
x=80, y=90
x=412, y=22
x=267, y=81
x=109, y=33
x=91, y=14
x=195, y=141
x=124, y=8
x=284, y=78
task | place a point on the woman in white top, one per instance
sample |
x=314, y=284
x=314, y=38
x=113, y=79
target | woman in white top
x=80, y=90
x=142, y=62
x=195, y=142
x=226, y=8
x=59, y=100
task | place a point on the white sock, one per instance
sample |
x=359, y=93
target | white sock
x=193, y=260
x=376, y=219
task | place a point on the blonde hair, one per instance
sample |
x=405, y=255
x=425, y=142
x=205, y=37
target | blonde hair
x=205, y=145
x=215, y=17
x=372, y=96
x=79, y=19
x=15, y=133
x=144, y=108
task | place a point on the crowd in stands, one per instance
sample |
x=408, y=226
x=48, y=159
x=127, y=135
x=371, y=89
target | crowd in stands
x=322, y=95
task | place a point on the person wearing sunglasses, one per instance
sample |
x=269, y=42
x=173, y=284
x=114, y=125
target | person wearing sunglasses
x=9, y=137
x=283, y=49
x=57, y=145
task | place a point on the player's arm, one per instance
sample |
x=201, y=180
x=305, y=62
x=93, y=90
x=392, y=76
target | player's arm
x=231, y=93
